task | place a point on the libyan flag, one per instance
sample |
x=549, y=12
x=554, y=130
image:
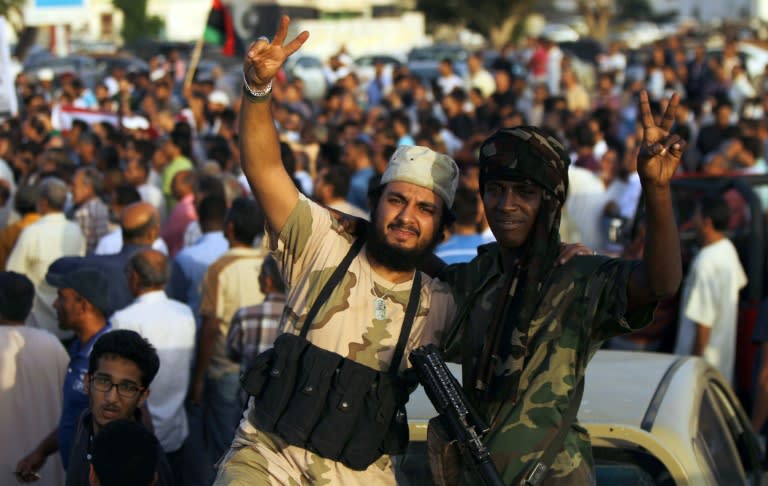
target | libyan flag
x=220, y=31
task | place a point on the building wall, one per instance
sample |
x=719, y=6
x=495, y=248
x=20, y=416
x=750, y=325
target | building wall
x=184, y=19
x=364, y=36
x=707, y=11
x=57, y=12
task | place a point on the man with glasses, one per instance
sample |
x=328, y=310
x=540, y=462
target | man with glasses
x=120, y=369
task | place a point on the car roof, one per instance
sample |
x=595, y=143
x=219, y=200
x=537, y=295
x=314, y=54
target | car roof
x=655, y=392
x=620, y=385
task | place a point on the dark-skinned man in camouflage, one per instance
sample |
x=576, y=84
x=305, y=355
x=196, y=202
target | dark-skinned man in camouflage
x=525, y=328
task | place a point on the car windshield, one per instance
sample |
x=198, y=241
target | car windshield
x=625, y=466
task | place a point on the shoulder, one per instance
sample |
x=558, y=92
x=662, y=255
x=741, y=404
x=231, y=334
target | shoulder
x=178, y=307
x=40, y=339
x=592, y=266
x=591, y=274
x=233, y=257
x=309, y=222
x=249, y=312
x=71, y=225
x=466, y=278
x=222, y=263
x=487, y=258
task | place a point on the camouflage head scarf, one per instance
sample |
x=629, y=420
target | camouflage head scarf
x=527, y=153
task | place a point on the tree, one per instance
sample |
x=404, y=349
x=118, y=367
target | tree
x=136, y=23
x=629, y=10
x=495, y=19
x=13, y=11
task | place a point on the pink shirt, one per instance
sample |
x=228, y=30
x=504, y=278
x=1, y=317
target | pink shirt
x=173, y=231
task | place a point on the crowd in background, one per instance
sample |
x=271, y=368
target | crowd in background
x=163, y=173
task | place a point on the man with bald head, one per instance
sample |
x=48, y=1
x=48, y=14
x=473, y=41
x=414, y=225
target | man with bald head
x=140, y=226
x=170, y=327
x=112, y=242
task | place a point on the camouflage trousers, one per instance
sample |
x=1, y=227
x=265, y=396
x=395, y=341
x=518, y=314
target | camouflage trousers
x=259, y=458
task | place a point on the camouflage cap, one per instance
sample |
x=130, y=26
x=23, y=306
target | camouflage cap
x=526, y=152
x=426, y=168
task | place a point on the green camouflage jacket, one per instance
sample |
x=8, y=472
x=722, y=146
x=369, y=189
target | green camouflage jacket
x=583, y=303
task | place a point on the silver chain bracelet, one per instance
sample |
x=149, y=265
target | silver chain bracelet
x=257, y=93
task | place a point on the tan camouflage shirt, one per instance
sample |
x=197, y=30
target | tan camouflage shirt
x=308, y=250
x=583, y=303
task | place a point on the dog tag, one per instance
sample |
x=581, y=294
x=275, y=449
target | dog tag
x=379, y=309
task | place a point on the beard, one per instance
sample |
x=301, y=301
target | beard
x=395, y=258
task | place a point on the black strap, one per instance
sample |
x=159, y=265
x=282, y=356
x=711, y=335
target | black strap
x=405, y=331
x=541, y=468
x=331, y=284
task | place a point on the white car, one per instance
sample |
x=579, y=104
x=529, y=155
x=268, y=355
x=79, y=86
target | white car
x=656, y=419
x=310, y=69
x=364, y=66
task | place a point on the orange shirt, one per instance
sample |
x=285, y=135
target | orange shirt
x=10, y=234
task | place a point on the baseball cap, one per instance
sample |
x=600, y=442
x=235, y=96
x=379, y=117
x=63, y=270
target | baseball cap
x=218, y=97
x=45, y=74
x=135, y=122
x=157, y=75
x=424, y=167
x=90, y=282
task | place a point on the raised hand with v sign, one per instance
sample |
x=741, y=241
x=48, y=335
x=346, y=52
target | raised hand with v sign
x=264, y=58
x=660, y=150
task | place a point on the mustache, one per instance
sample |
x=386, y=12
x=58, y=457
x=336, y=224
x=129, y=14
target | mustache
x=405, y=227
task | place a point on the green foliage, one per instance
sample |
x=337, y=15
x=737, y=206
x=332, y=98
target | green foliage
x=627, y=10
x=479, y=15
x=12, y=10
x=136, y=23
x=641, y=10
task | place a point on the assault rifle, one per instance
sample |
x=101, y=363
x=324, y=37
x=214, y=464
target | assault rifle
x=460, y=420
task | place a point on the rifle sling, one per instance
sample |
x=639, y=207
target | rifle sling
x=330, y=285
x=541, y=468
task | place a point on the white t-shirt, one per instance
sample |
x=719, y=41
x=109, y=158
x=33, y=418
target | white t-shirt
x=585, y=205
x=153, y=195
x=170, y=327
x=711, y=298
x=626, y=195
x=33, y=364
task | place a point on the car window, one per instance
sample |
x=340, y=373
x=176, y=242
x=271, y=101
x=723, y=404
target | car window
x=309, y=62
x=740, y=431
x=716, y=444
x=629, y=466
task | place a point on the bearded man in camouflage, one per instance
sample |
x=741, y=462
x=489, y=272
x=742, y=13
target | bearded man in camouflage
x=526, y=329
x=362, y=318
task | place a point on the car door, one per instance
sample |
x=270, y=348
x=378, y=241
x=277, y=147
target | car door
x=724, y=441
x=740, y=431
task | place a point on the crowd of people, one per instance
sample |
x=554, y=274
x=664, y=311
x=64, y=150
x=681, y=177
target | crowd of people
x=132, y=234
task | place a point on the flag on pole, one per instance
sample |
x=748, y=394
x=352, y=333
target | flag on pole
x=220, y=30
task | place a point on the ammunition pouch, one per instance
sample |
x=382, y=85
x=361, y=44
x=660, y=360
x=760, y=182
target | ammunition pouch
x=318, y=400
